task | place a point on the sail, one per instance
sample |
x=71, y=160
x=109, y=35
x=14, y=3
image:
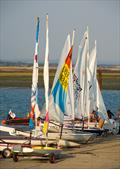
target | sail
x=34, y=91
x=70, y=95
x=80, y=79
x=93, y=79
x=100, y=104
x=70, y=98
x=87, y=81
x=96, y=99
x=46, y=79
x=58, y=97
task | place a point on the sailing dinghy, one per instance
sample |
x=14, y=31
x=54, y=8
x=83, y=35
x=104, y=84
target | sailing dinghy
x=60, y=96
x=85, y=87
x=36, y=137
x=34, y=92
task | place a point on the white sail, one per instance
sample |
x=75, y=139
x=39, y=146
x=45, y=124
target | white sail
x=100, y=104
x=93, y=78
x=80, y=79
x=96, y=98
x=70, y=98
x=46, y=80
x=46, y=67
x=86, y=97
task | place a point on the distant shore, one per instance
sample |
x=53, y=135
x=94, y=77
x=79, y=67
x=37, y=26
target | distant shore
x=21, y=76
x=104, y=153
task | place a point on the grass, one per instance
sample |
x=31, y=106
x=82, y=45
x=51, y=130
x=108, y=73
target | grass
x=22, y=77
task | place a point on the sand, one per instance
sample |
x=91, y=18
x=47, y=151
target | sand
x=103, y=154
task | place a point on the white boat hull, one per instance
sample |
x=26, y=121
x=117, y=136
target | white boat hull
x=78, y=137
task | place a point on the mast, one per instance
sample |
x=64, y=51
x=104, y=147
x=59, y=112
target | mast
x=87, y=80
x=34, y=91
x=73, y=37
x=71, y=79
x=46, y=80
x=86, y=84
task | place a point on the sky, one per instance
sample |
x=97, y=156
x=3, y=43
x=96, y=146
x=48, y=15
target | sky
x=18, y=26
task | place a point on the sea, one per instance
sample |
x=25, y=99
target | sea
x=18, y=100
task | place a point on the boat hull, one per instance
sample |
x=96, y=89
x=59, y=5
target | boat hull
x=16, y=121
x=77, y=137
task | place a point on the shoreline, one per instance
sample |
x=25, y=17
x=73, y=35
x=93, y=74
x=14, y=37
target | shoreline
x=21, y=76
x=104, y=153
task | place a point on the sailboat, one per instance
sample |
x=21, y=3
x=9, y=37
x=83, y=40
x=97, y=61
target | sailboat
x=96, y=99
x=34, y=93
x=37, y=136
x=35, y=112
x=80, y=80
x=87, y=95
x=61, y=101
x=58, y=93
x=96, y=96
x=93, y=95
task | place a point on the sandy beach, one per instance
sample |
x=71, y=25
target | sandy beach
x=103, y=154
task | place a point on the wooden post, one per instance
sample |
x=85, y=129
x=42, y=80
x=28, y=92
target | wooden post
x=100, y=77
x=30, y=137
x=61, y=131
x=83, y=122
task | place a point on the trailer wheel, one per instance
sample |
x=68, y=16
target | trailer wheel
x=15, y=157
x=52, y=158
x=6, y=153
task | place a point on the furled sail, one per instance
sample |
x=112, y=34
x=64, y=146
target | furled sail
x=46, y=79
x=35, y=112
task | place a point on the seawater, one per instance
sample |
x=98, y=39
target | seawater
x=18, y=100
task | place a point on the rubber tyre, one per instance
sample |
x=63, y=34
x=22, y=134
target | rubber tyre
x=52, y=158
x=15, y=157
x=6, y=153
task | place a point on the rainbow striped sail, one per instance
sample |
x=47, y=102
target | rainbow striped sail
x=61, y=88
x=59, y=92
